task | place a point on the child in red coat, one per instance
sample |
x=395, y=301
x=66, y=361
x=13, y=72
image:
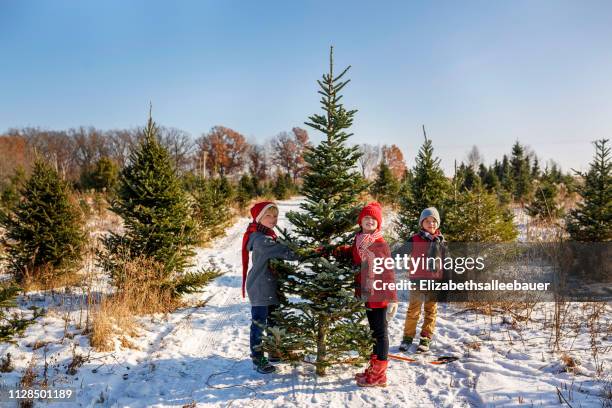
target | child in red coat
x=381, y=303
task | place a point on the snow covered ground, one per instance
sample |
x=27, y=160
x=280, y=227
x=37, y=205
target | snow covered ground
x=198, y=356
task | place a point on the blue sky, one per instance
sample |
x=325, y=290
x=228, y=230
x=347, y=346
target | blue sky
x=474, y=72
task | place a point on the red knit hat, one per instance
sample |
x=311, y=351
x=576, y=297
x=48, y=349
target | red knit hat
x=373, y=210
x=259, y=209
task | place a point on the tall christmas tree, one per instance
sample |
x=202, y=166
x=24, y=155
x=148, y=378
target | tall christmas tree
x=44, y=235
x=326, y=321
x=428, y=188
x=591, y=220
x=157, y=216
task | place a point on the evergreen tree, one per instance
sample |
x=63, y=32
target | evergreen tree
x=44, y=232
x=477, y=216
x=482, y=172
x=554, y=172
x=535, y=170
x=386, y=187
x=497, y=169
x=245, y=191
x=102, y=176
x=521, y=173
x=544, y=205
x=489, y=179
x=283, y=186
x=157, y=216
x=591, y=220
x=466, y=178
x=10, y=190
x=327, y=321
x=428, y=188
x=505, y=176
x=212, y=205
x=556, y=176
x=11, y=325
x=258, y=188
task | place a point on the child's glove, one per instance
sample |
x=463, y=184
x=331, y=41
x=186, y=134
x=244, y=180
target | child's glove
x=391, y=311
x=342, y=252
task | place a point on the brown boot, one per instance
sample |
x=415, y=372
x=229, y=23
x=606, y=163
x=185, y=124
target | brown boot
x=373, y=358
x=377, y=377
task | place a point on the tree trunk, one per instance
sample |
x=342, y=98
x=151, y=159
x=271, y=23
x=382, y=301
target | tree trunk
x=322, y=347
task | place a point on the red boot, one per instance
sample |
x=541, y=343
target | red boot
x=377, y=377
x=373, y=358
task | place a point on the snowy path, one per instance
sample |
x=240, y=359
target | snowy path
x=200, y=356
x=222, y=332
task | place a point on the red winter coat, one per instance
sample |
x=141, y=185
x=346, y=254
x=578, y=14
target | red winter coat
x=378, y=298
x=421, y=250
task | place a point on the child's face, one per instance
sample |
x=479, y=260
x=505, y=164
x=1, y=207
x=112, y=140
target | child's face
x=269, y=219
x=369, y=224
x=430, y=224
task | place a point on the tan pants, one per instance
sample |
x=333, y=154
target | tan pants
x=417, y=299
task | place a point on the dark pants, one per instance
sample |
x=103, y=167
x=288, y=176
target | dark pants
x=261, y=317
x=377, y=318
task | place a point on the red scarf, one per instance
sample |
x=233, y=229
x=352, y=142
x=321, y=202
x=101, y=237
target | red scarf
x=253, y=227
x=363, y=242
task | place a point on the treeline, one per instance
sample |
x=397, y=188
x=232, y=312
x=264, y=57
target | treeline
x=475, y=201
x=91, y=158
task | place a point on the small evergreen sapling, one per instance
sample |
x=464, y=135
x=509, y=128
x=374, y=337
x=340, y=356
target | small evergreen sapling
x=591, y=220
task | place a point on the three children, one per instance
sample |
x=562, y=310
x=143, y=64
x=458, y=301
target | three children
x=381, y=304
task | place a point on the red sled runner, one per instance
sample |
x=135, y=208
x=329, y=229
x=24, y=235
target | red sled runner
x=438, y=361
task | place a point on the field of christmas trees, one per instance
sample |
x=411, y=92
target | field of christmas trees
x=121, y=267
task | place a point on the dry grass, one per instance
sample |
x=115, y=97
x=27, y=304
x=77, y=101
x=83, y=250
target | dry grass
x=139, y=292
x=110, y=319
x=28, y=380
x=569, y=362
x=520, y=311
x=47, y=279
x=6, y=364
x=474, y=345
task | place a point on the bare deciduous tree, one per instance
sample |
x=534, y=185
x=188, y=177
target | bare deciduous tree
x=288, y=151
x=120, y=143
x=258, y=161
x=90, y=144
x=180, y=146
x=369, y=159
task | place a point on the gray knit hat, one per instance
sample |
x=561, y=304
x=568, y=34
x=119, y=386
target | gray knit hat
x=430, y=212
